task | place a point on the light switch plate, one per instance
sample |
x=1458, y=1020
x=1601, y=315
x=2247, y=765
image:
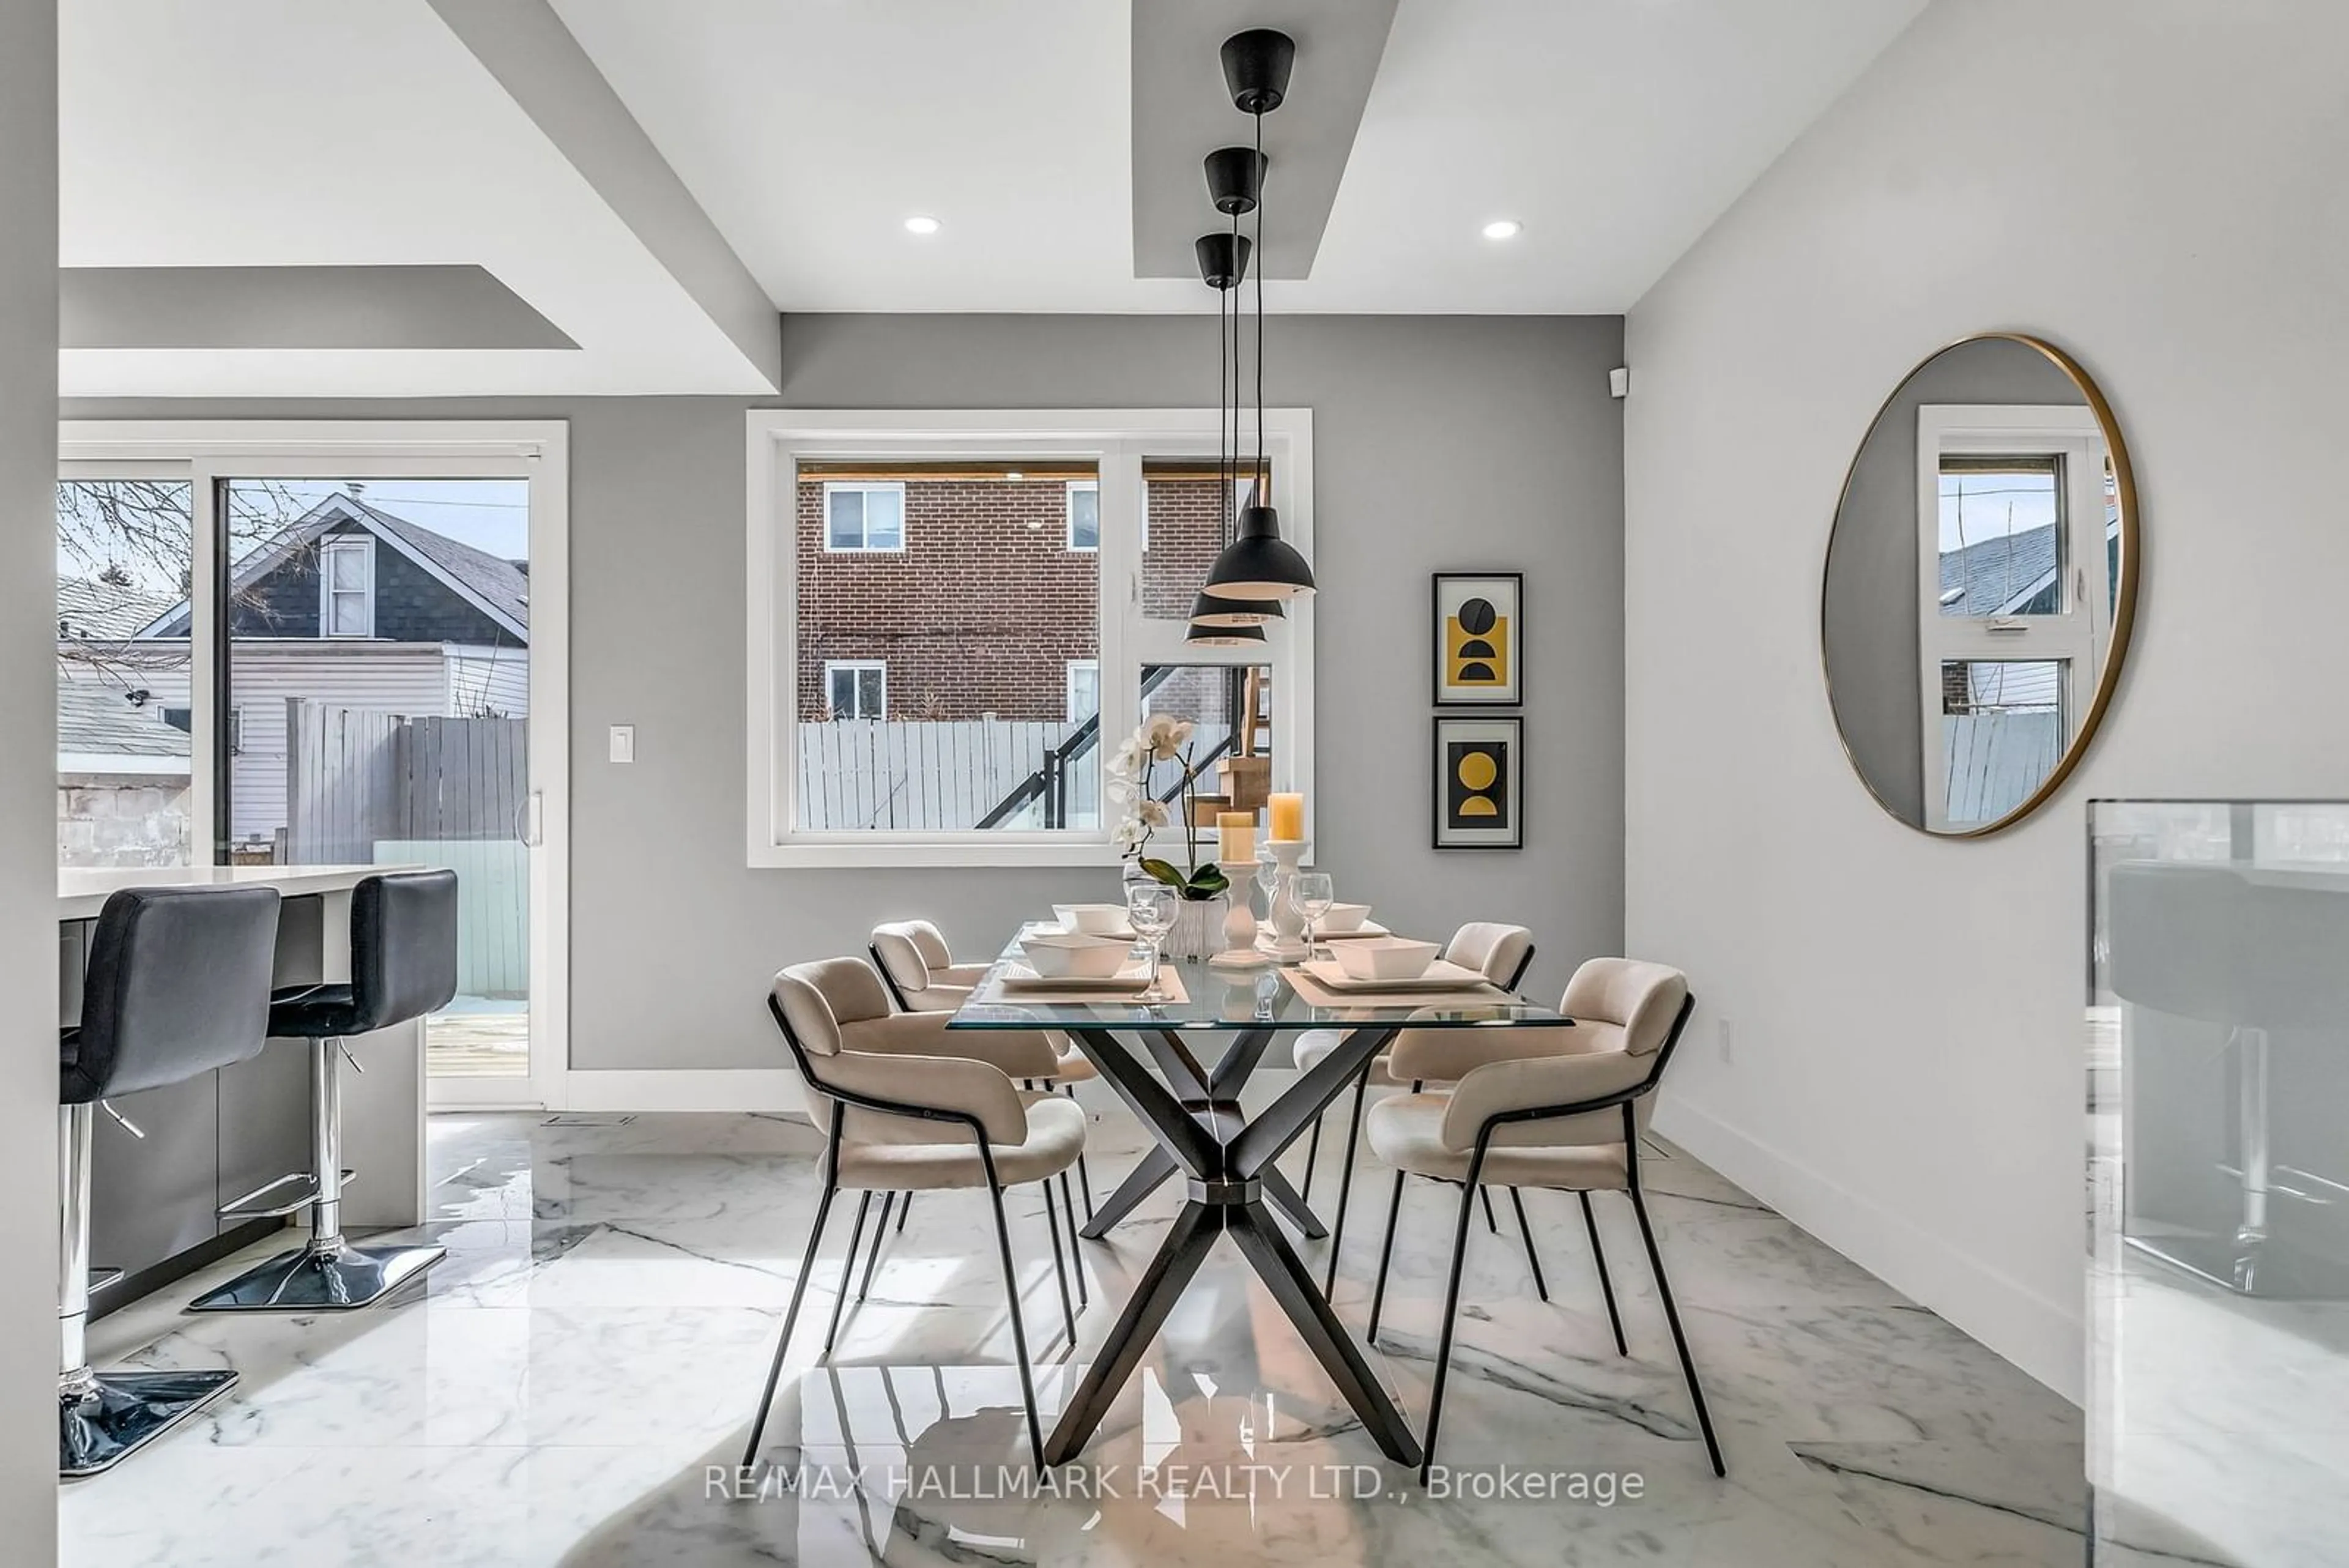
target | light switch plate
x=624, y=742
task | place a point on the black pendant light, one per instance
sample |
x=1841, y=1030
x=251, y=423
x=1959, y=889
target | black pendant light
x=1258, y=566
x=1223, y=260
x=1234, y=180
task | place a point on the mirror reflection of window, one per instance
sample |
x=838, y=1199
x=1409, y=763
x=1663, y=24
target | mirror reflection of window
x=2001, y=534
x=2015, y=524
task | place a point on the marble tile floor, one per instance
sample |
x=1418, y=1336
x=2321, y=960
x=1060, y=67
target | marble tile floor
x=574, y=1385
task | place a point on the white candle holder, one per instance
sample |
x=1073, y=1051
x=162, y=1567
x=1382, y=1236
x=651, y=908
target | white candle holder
x=1239, y=920
x=1284, y=936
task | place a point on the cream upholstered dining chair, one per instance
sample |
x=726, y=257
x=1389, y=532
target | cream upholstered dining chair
x=1501, y=954
x=905, y=1106
x=919, y=970
x=1560, y=1109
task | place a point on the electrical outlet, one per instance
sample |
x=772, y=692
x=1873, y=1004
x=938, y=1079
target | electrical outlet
x=1725, y=1041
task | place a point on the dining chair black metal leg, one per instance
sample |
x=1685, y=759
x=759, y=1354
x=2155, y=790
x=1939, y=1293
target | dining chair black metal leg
x=1606, y=1285
x=1484, y=1194
x=840, y=1300
x=1312, y=1158
x=905, y=1207
x=873, y=1258
x=790, y=1317
x=1011, y=1299
x=1386, y=1254
x=1451, y=1314
x=1672, y=1317
x=1346, y=1179
x=1084, y=1176
x=1060, y=1264
x=1076, y=1254
x=1532, y=1259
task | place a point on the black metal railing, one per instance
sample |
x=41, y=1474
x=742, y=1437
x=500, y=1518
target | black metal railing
x=1049, y=783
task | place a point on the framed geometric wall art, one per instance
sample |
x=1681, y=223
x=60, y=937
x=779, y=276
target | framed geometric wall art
x=1479, y=639
x=1479, y=784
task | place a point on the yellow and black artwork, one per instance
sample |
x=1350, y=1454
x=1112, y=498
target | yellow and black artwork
x=1478, y=638
x=1479, y=784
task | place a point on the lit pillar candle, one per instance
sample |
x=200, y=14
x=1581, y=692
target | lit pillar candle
x=1236, y=830
x=1288, y=818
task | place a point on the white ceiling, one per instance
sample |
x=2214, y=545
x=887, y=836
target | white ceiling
x=280, y=132
x=1616, y=130
x=274, y=133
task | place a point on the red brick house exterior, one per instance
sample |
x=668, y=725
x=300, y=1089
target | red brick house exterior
x=985, y=608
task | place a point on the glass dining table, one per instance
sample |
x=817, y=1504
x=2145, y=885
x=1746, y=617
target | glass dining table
x=1224, y=1152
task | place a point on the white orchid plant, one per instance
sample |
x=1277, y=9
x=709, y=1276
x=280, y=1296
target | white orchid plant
x=1141, y=813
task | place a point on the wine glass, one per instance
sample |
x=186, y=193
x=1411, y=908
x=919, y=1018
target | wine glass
x=1151, y=906
x=1315, y=894
x=1268, y=877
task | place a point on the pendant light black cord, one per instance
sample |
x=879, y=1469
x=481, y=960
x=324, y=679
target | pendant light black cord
x=1229, y=478
x=1223, y=383
x=1262, y=490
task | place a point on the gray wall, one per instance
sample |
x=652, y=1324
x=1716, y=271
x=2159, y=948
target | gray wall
x=1906, y=1075
x=1439, y=442
x=1869, y=622
x=29, y=785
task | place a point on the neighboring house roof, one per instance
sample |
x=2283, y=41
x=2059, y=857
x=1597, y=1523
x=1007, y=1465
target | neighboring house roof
x=90, y=610
x=98, y=719
x=1997, y=572
x=496, y=587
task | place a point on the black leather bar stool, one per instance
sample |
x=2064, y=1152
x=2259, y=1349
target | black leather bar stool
x=403, y=966
x=178, y=986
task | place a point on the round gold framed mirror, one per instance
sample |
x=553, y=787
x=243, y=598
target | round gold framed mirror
x=1980, y=584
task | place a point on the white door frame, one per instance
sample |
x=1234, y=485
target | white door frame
x=536, y=450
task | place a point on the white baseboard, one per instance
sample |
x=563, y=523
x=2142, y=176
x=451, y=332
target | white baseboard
x=2035, y=1333
x=769, y=1089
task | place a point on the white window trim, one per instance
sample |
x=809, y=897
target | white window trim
x=1071, y=669
x=207, y=452
x=1118, y=440
x=363, y=546
x=2077, y=634
x=1068, y=517
x=834, y=666
x=864, y=487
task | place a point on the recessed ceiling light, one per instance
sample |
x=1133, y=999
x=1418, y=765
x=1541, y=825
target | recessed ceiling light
x=1504, y=229
x=1015, y=473
x=921, y=225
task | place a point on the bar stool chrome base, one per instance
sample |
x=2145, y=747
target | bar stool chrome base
x=316, y=1279
x=124, y=1411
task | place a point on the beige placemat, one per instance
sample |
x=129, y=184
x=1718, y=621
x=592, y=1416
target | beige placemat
x=1170, y=979
x=1321, y=995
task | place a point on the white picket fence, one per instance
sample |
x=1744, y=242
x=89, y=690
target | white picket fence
x=865, y=774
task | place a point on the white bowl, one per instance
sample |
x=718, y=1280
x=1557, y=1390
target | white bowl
x=1385, y=958
x=1343, y=917
x=1073, y=955
x=1094, y=920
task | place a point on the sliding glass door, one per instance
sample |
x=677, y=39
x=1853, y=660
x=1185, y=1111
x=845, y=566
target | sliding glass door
x=346, y=651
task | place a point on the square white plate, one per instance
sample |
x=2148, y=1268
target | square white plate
x=1440, y=975
x=1019, y=976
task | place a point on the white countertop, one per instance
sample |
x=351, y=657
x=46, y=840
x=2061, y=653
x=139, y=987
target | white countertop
x=82, y=892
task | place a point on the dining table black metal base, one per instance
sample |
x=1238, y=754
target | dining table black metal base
x=1225, y=1157
x=1205, y=1093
